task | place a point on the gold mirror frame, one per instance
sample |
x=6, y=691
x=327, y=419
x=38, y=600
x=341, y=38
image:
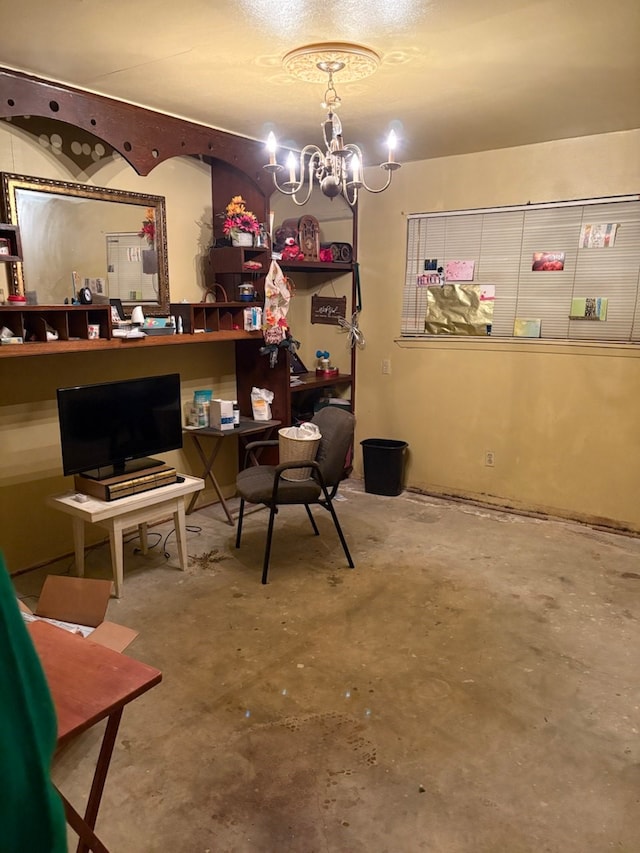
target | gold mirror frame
x=13, y=183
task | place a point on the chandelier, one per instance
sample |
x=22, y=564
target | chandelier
x=339, y=168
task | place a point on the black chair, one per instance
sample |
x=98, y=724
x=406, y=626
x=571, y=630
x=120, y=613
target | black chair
x=264, y=484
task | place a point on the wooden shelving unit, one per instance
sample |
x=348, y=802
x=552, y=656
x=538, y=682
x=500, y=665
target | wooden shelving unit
x=210, y=322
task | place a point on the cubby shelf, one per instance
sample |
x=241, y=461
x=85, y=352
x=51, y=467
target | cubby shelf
x=10, y=238
x=199, y=317
x=210, y=322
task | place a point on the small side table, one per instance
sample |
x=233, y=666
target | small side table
x=247, y=428
x=125, y=513
x=88, y=683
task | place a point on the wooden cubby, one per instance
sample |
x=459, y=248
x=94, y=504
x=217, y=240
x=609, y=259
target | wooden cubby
x=71, y=322
x=199, y=317
x=224, y=266
x=11, y=233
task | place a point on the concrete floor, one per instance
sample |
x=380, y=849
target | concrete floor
x=471, y=687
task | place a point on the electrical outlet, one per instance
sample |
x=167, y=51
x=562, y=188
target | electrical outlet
x=386, y=365
x=489, y=458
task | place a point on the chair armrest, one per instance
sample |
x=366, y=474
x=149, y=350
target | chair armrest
x=305, y=463
x=252, y=446
x=272, y=442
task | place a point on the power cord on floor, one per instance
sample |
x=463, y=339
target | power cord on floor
x=165, y=553
x=71, y=562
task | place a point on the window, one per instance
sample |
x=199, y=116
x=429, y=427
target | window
x=590, y=272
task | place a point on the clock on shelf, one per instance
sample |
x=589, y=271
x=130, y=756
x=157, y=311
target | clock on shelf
x=309, y=237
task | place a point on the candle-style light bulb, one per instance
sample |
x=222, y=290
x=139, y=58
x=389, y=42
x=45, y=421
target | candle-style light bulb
x=272, y=147
x=355, y=169
x=392, y=141
x=291, y=163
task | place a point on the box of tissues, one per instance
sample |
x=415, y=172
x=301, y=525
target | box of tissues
x=221, y=414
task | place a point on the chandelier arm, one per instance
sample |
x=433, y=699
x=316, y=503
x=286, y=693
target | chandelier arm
x=350, y=199
x=362, y=184
x=382, y=188
x=290, y=188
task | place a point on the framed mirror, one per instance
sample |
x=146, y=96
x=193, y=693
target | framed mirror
x=77, y=237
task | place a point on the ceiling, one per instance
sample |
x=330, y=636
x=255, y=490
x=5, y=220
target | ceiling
x=455, y=75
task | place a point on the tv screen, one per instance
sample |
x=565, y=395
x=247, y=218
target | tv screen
x=114, y=428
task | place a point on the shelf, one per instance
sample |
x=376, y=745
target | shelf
x=311, y=273
x=198, y=317
x=310, y=381
x=71, y=322
x=229, y=259
x=10, y=243
x=224, y=266
x=314, y=266
x=60, y=347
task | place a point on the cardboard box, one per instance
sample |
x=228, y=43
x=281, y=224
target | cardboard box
x=221, y=414
x=79, y=605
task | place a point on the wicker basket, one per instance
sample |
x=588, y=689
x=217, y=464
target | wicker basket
x=297, y=450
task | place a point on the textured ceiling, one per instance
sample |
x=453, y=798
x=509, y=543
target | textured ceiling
x=455, y=75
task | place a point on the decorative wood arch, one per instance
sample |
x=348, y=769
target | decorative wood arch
x=143, y=137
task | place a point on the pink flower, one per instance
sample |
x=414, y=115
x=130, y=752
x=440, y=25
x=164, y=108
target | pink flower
x=238, y=218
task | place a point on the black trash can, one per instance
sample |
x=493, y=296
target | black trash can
x=383, y=461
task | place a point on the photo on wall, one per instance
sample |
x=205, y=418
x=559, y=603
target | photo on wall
x=459, y=270
x=547, y=262
x=589, y=308
x=523, y=328
x=599, y=235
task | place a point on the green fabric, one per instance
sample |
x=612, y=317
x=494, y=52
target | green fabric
x=31, y=813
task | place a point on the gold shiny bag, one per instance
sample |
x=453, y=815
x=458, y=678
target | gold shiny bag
x=457, y=309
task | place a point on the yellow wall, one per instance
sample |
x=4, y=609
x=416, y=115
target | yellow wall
x=30, y=464
x=563, y=421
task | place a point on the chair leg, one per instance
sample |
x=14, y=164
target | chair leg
x=312, y=520
x=240, y=517
x=267, y=547
x=343, y=541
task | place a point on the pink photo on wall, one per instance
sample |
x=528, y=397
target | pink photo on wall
x=547, y=261
x=459, y=270
x=487, y=292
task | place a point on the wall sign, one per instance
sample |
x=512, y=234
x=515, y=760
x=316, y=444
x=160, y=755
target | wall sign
x=328, y=309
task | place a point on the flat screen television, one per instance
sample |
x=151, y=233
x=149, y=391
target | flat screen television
x=114, y=428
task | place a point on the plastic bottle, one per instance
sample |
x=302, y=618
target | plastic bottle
x=236, y=413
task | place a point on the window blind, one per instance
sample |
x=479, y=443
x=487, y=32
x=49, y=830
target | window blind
x=502, y=242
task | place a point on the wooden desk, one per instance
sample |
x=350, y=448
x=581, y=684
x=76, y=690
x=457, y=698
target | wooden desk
x=247, y=428
x=88, y=683
x=125, y=513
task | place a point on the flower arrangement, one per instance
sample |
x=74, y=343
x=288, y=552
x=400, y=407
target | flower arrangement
x=148, y=229
x=237, y=219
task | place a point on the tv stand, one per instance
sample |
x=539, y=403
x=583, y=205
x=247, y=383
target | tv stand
x=124, y=470
x=134, y=511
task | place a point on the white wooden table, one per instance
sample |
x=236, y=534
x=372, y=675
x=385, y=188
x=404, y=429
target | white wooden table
x=125, y=513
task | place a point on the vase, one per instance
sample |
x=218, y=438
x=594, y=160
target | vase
x=242, y=238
